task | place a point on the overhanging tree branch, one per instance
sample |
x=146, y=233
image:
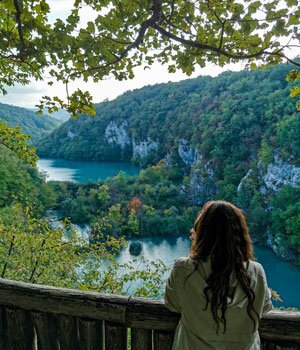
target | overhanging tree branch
x=20, y=29
x=219, y=51
x=130, y=33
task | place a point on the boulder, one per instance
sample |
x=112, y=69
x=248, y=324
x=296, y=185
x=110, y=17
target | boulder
x=135, y=248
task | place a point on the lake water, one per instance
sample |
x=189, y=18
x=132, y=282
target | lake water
x=78, y=171
x=282, y=277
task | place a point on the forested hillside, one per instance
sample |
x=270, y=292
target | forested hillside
x=235, y=137
x=32, y=124
x=21, y=183
x=225, y=119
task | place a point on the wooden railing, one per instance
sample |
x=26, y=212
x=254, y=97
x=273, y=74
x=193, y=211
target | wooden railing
x=48, y=318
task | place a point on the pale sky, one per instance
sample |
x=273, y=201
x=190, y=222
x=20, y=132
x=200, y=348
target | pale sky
x=29, y=95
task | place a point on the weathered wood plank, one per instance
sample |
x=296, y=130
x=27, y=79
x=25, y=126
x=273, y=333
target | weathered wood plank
x=150, y=314
x=283, y=326
x=141, y=339
x=90, y=334
x=63, y=301
x=163, y=340
x=115, y=336
x=267, y=346
x=2, y=328
x=67, y=333
x=19, y=333
x=46, y=327
x=272, y=346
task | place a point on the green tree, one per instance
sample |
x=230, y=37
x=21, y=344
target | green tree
x=285, y=218
x=265, y=152
x=288, y=133
x=132, y=226
x=294, y=76
x=123, y=35
x=31, y=251
x=20, y=182
x=14, y=139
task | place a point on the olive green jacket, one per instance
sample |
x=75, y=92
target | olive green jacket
x=196, y=329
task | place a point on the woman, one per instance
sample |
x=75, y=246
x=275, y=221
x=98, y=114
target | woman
x=220, y=291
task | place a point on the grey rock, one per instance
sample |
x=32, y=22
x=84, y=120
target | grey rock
x=135, y=248
x=117, y=134
x=189, y=155
x=143, y=148
x=244, y=180
x=280, y=173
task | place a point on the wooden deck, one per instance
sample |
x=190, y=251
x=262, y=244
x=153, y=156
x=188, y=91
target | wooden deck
x=35, y=317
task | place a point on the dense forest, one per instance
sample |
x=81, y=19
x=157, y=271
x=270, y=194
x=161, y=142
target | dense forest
x=32, y=124
x=235, y=137
x=21, y=183
x=225, y=119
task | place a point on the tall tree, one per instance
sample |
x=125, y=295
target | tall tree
x=129, y=33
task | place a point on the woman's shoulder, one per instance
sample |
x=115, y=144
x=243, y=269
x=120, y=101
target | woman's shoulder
x=256, y=267
x=181, y=262
x=184, y=263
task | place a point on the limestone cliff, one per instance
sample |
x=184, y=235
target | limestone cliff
x=117, y=134
x=142, y=149
x=281, y=173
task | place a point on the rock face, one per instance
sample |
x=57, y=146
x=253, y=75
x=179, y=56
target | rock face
x=271, y=177
x=189, y=155
x=275, y=243
x=244, y=180
x=71, y=133
x=144, y=148
x=276, y=175
x=201, y=185
x=117, y=134
x=280, y=173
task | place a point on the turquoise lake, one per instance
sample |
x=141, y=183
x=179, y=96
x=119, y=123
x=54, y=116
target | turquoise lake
x=281, y=276
x=78, y=171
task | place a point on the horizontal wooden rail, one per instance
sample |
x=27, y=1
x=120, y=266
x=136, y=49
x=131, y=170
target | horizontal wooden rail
x=75, y=319
x=69, y=302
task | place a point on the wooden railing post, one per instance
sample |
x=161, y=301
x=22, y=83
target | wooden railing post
x=163, y=340
x=67, y=333
x=141, y=339
x=91, y=334
x=18, y=329
x=115, y=336
x=46, y=327
x=2, y=329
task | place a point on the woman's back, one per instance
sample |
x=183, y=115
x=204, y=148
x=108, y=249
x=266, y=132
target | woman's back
x=197, y=328
x=219, y=290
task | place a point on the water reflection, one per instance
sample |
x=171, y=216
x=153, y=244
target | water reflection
x=56, y=173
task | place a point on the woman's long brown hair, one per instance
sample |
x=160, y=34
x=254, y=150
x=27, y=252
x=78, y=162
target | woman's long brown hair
x=222, y=235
